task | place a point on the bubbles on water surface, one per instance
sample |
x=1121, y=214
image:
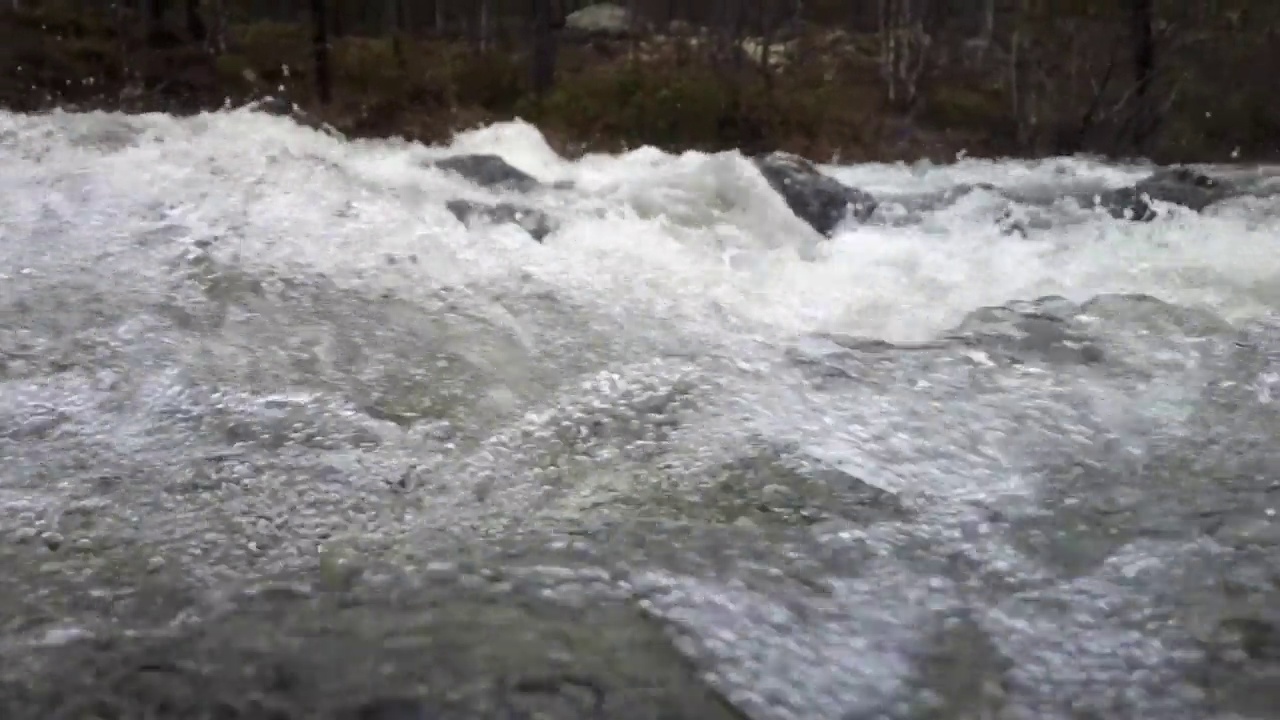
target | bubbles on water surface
x=239, y=346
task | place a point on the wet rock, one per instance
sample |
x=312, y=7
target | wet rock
x=534, y=222
x=1015, y=211
x=37, y=426
x=1186, y=187
x=1020, y=332
x=833, y=357
x=1022, y=221
x=962, y=673
x=444, y=650
x=915, y=203
x=1245, y=674
x=775, y=486
x=1150, y=315
x=600, y=20
x=1128, y=333
x=1180, y=186
x=1122, y=204
x=489, y=171
x=819, y=199
x=274, y=105
x=282, y=107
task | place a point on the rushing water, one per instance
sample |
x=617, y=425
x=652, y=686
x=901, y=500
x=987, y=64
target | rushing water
x=234, y=349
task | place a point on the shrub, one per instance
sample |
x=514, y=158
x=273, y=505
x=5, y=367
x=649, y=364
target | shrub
x=650, y=104
x=270, y=48
x=492, y=80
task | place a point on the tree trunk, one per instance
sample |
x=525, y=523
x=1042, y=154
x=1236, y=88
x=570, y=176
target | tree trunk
x=195, y=22
x=217, y=24
x=155, y=21
x=485, y=22
x=320, y=49
x=544, y=48
x=395, y=18
x=337, y=22
x=1145, y=120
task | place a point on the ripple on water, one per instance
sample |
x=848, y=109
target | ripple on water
x=681, y=453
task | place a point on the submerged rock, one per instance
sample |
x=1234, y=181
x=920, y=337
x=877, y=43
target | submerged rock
x=456, y=646
x=819, y=199
x=1040, y=329
x=534, y=222
x=489, y=171
x=770, y=486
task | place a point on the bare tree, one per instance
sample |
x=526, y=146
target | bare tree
x=904, y=51
x=196, y=28
x=1142, y=30
x=484, y=23
x=320, y=51
x=155, y=20
x=544, y=47
x=395, y=27
x=217, y=27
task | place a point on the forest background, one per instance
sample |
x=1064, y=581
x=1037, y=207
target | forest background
x=845, y=80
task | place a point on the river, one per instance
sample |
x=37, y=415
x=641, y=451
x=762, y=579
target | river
x=280, y=434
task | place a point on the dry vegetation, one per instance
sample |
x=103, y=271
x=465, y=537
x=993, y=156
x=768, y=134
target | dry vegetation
x=1039, y=81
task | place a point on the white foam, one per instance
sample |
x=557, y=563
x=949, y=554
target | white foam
x=692, y=238
x=517, y=142
x=925, y=176
x=687, y=247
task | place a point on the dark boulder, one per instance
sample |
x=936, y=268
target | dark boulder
x=534, y=222
x=283, y=107
x=817, y=198
x=1186, y=187
x=489, y=171
x=1179, y=185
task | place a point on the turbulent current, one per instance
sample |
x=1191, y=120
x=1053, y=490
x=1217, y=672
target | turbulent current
x=283, y=438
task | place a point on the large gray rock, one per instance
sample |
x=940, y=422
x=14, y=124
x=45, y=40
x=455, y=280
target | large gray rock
x=600, y=20
x=489, y=171
x=815, y=197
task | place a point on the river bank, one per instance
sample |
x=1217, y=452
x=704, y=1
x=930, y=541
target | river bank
x=821, y=96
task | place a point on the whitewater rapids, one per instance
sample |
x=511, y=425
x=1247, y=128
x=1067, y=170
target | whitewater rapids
x=235, y=351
